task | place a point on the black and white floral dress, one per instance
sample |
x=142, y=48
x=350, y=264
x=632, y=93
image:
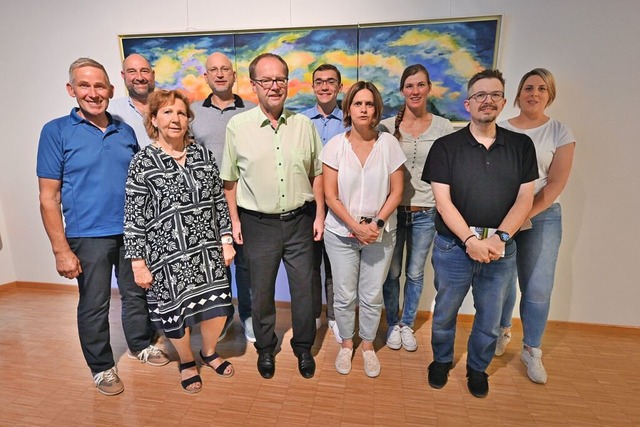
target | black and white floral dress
x=174, y=216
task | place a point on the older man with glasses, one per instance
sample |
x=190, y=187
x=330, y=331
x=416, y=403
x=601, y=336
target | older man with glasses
x=273, y=183
x=482, y=178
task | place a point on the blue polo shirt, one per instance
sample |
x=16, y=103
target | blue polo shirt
x=329, y=126
x=92, y=167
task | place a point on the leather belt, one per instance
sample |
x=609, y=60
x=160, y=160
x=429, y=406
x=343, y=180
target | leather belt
x=414, y=208
x=286, y=216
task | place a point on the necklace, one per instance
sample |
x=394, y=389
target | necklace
x=175, y=157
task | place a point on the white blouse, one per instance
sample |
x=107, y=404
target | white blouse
x=363, y=190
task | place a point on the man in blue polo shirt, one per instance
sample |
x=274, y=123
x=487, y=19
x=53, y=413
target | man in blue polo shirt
x=82, y=164
x=328, y=120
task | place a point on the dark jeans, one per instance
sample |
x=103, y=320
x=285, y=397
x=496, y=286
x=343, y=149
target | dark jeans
x=266, y=243
x=320, y=254
x=98, y=256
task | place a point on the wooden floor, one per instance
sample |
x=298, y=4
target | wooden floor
x=594, y=379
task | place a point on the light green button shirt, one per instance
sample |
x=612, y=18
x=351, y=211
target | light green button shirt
x=273, y=167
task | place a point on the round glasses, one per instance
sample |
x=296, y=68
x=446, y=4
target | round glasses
x=482, y=96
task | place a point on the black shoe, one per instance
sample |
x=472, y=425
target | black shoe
x=306, y=365
x=477, y=382
x=266, y=365
x=439, y=374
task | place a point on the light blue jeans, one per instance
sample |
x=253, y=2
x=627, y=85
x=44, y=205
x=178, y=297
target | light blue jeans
x=454, y=274
x=417, y=230
x=537, y=256
x=358, y=274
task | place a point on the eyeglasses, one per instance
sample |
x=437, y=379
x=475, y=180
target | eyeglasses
x=214, y=70
x=268, y=83
x=482, y=96
x=330, y=82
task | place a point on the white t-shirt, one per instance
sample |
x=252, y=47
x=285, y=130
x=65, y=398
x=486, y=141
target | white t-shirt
x=546, y=138
x=362, y=189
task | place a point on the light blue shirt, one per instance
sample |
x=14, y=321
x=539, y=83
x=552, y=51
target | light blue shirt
x=123, y=109
x=329, y=126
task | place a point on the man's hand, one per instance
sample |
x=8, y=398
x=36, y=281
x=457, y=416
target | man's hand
x=68, y=264
x=236, y=230
x=318, y=229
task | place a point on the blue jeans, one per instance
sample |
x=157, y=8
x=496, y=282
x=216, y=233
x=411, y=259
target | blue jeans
x=455, y=272
x=537, y=256
x=417, y=230
x=358, y=273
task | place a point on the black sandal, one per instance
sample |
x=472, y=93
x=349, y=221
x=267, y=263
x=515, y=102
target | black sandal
x=194, y=379
x=220, y=370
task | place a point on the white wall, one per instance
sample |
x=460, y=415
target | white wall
x=591, y=46
x=7, y=272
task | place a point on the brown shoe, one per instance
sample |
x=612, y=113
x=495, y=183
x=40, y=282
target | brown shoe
x=108, y=383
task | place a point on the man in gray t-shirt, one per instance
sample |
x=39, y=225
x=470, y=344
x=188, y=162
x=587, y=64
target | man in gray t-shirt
x=208, y=128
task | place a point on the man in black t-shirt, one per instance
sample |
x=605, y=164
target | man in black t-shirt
x=482, y=178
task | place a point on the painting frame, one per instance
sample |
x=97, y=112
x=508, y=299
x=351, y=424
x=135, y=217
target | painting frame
x=452, y=49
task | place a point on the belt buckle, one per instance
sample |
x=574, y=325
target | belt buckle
x=287, y=216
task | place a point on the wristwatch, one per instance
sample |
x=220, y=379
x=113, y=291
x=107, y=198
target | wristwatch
x=379, y=222
x=503, y=235
x=227, y=239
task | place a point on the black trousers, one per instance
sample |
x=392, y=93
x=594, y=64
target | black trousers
x=98, y=257
x=267, y=242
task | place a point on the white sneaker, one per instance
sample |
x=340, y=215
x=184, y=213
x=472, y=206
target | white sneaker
x=394, y=339
x=409, y=342
x=503, y=339
x=318, y=323
x=247, y=325
x=333, y=325
x=343, y=361
x=532, y=358
x=151, y=355
x=371, y=363
x=108, y=383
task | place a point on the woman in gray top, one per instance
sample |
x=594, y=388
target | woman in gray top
x=416, y=129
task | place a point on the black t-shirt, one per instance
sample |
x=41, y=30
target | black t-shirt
x=484, y=183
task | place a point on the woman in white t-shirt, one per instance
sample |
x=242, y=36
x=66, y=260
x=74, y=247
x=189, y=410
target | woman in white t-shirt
x=363, y=175
x=538, y=245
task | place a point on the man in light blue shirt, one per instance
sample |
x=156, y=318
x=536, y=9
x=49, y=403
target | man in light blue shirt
x=139, y=79
x=328, y=119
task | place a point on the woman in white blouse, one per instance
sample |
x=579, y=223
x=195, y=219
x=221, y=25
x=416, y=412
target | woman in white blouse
x=538, y=245
x=363, y=176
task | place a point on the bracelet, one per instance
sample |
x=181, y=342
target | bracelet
x=467, y=239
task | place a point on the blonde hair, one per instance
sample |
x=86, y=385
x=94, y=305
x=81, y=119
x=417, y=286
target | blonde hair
x=548, y=79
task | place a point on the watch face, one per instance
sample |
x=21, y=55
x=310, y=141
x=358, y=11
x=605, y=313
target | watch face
x=380, y=223
x=503, y=236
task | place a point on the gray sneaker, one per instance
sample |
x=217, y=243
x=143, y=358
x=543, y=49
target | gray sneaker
x=503, y=339
x=151, y=355
x=247, y=325
x=108, y=383
x=394, y=339
x=532, y=358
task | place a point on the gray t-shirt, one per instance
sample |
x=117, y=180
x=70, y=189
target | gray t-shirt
x=210, y=123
